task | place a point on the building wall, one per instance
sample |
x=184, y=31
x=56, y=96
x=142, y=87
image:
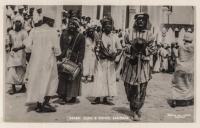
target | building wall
x=158, y=16
x=182, y=15
x=179, y=15
x=90, y=11
x=119, y=16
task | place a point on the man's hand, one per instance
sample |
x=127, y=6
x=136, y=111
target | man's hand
x=80, y=65
x=113, y=56
x=15, y=49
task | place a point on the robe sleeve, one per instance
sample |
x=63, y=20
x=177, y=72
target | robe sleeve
x=56, y=44
x=149, y=36
x=118, y=44
x=62, y=41
x=29, y=41
x=25, y=38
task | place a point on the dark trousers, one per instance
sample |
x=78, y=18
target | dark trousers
x=132, y=95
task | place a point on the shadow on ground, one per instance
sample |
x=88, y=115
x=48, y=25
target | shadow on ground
x=123, y=110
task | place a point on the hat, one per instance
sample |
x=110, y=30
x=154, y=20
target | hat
x=189, y=30
x=188, y=37
x=36, y=17
x=65, y=11
x=79, y=11
x=16, y=9
x=76, y=21
x=19, y=18
x=142, y=15
x=71, y=12
x=105, y=20
x=88, y=18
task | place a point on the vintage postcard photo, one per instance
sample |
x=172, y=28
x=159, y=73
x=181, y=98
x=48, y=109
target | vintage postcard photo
x=99, y=63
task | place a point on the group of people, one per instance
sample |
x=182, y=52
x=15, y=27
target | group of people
x=101, y=53
x=164, y=60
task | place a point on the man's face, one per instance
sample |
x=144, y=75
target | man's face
x=15, y=12
x=31, y=10
x=83, y=18
x=141, y=22
x=18, y=25
x=26, y=17
x=98, y=29
x=88, y=20
x=66, y=15
x=72, y=13
x=51, y=23
x=72, y=27
x=21, y=11
x=108, y=27
x=91, y=33
x=25, y=7
x=39, y=10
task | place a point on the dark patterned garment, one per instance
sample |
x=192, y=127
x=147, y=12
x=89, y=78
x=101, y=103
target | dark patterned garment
x=65, y=86
x=132, y=96
x=130, y=72
x=129, y=69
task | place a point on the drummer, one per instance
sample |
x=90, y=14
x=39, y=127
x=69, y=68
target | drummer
x=72, y=42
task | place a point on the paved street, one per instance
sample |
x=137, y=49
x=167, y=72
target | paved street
x=155, y=109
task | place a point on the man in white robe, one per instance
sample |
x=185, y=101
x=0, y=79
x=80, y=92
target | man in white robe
x=183, y=77
x=105, y=75
x=43, y=43
x=17, y=56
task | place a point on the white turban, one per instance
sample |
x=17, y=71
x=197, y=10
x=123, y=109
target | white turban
x=19, y=18
x=188, y=37
x=36, y=17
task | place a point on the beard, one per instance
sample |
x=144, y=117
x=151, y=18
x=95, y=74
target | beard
x=141, y=26
x=91, y=36
x=72, y=30
x=18, y=28
x=108, y=30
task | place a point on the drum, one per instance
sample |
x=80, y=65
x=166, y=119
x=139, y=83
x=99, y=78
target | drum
x=69, y=68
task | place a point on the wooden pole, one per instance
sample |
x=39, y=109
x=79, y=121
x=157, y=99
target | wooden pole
x=139, y=77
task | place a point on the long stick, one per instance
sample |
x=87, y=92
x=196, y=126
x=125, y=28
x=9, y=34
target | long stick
x=139, y=77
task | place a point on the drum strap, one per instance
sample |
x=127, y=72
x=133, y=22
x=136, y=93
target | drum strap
x=72, y=49
x=73, y=46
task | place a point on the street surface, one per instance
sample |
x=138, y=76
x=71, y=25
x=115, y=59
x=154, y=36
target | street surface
x=155, y=110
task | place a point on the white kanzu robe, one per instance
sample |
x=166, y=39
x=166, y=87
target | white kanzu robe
x=183, y=77
x=89, y=59
x=44, y=46
x=105, y=76
x=16, y=60
x=164, y=54
x=157, y=64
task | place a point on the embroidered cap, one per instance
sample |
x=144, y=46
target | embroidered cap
x=142, y=15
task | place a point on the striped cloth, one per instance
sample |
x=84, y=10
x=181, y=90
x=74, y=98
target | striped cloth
x=129, y=69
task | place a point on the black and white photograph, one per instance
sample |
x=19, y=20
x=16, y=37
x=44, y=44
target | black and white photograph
x=99, y=63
